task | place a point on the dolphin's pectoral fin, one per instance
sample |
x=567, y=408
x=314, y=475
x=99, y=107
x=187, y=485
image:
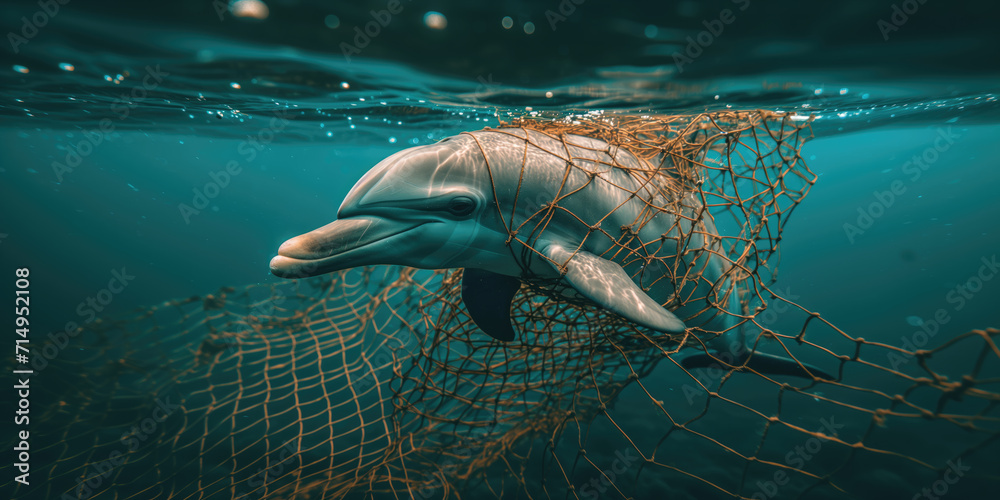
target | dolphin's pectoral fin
x=607, y=284
x=767, y=364
x=487, y=297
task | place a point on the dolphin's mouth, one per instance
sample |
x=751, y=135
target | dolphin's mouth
x=336, y=246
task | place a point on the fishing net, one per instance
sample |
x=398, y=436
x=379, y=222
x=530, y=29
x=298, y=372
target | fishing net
x=374, y=382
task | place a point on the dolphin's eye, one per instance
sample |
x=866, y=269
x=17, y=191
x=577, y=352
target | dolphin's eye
x=461, y=205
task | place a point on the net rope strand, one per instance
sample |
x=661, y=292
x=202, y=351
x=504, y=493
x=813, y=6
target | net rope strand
x=374, y=382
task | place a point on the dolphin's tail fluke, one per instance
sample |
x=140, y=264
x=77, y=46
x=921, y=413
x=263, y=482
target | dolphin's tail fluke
x=767, y=364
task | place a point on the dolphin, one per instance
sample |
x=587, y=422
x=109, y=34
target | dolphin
x=511, y=205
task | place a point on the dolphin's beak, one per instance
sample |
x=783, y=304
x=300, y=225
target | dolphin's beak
x=335, y=246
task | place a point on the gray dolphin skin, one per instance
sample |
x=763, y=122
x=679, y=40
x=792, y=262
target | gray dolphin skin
x=450, y=204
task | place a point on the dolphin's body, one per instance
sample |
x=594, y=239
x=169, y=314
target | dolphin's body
x=506, y=211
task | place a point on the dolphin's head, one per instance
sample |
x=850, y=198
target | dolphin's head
x=424, y=207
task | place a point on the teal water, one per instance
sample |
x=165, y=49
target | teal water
x=297, y=125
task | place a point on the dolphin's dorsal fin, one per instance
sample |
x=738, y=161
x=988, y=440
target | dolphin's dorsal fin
x=607, y=284
x=487, y=297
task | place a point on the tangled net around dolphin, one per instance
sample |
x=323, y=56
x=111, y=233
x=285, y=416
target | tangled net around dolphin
x=374, y=382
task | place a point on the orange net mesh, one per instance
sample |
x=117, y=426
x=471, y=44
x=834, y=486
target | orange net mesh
x=375, y=383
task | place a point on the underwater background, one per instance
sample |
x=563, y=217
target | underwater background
x=180, y=143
